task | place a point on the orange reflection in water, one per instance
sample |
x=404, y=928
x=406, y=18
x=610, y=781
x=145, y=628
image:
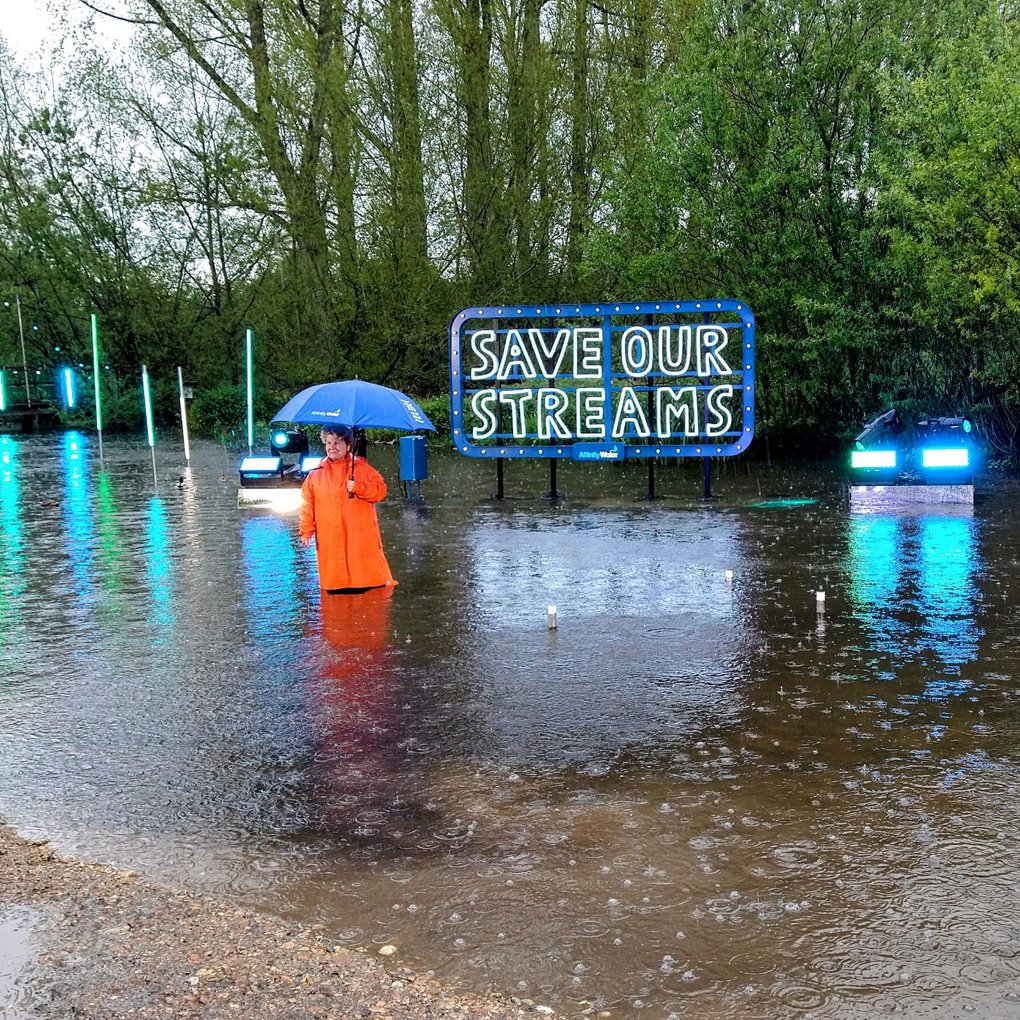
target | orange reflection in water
x=354, y=700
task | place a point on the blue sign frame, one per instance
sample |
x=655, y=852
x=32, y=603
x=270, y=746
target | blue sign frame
x=612, y=333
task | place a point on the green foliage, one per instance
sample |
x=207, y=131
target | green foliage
x=225, y=409
x=849, y=168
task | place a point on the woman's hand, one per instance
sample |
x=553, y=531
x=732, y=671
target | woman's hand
x=307, y=542
x=350, y=484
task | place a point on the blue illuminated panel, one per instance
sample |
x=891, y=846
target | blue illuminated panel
x=873, y=459
x=260, y=465
x=656, y=379
x=953, y=457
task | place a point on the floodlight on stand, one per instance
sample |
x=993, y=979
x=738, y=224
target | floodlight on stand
x=292, y=441
x=310, y=464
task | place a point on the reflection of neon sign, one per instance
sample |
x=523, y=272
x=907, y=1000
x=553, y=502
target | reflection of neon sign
x=603, y=382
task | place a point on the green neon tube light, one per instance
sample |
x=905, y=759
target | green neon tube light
x=148, y=407
x=251, y=413
x=95, y=373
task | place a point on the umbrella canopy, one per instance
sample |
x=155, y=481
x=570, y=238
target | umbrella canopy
x=355, y=403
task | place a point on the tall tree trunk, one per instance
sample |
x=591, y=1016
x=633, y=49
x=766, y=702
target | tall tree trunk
x=522, y=57
x=580, y=128
x=407, y=174
x=481, y=200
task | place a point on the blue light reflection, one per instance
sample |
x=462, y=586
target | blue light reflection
x=12, y=544
x=271, y=571
x=159, y=573
x=912, y=584
x=946, y=559
x=78, y=520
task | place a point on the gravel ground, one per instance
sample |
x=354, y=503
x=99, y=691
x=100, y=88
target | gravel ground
x=108, y=944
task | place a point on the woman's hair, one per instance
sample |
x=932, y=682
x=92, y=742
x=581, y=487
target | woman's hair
x=340, y=431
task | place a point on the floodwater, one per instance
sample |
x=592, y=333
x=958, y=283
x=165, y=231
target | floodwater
x=696, y=797
x=16, y=957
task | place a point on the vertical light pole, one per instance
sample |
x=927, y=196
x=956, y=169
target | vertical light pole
x=69, y=393
x=3, y=393
x=184, y=415
x=251, y=411
x=24, y=359
x=148, y=423
x=95, y=376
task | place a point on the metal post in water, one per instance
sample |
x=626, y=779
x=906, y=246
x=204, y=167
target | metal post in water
x=553, y=491
x=95, y=377
x=150, y=435
x=184, y=415
x=708, y=479
x=499, y=478
x=251, y=412
x=650, y=322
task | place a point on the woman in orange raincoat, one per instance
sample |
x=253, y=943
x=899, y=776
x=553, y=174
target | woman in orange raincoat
x=345, y=529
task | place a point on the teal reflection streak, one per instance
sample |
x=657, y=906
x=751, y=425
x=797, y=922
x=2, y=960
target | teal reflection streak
x=159, y=573
x=12, y=544
x=78, y=522
x=271, y=569
x=946, y=566
x=876, y=572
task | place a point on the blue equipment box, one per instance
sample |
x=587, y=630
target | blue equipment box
x=413, y=461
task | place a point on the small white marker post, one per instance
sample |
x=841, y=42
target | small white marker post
x=729, y=577
x=552, y=617
x=820, y=601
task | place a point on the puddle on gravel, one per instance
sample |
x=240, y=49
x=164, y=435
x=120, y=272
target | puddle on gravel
x=16, y=957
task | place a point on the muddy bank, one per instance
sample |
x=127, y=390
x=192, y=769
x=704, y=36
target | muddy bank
x=106, y=944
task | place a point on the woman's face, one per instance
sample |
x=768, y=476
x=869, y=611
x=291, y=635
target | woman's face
x=336, y=447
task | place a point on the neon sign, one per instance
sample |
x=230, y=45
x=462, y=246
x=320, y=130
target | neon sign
x=603, y=382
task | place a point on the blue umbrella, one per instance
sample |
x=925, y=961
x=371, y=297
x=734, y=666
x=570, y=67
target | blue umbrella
x=357, y=404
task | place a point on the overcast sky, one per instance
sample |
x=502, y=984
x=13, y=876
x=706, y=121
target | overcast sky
x=24, y=25
x=29, y=24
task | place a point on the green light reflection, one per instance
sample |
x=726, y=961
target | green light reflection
x=159, y=573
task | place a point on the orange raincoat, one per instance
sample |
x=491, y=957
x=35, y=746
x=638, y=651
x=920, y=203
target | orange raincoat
x=347, y=542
